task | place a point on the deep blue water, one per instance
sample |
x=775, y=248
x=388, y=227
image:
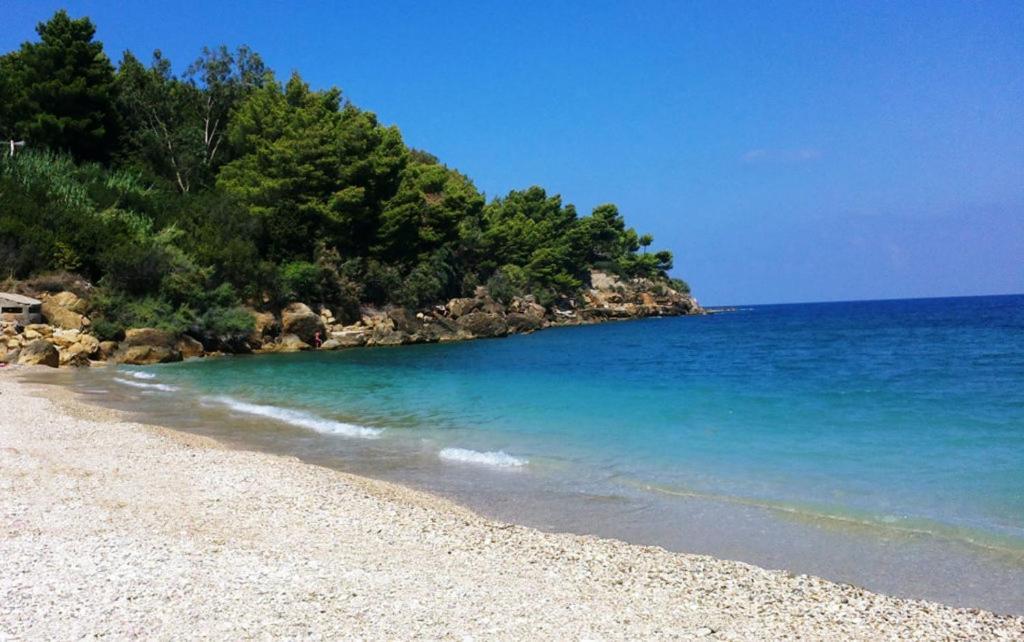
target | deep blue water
x=902, y=415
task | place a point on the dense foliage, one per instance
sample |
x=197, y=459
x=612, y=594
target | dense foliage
x=187, y=196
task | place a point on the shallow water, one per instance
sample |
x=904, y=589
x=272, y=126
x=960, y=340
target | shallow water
x=879, y=443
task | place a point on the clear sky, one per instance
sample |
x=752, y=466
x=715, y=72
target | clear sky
x=785, y=151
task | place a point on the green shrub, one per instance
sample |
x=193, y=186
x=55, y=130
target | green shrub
x=300, y=281
x=507, y=283
x=114, y=312
x=226, y=321
x=680, y=286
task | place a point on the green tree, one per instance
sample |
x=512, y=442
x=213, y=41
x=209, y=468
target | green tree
x=176, y=127
x=531, y=230
x=312, y=170
x=645, y=242
x=62, y=90
x=424, y=215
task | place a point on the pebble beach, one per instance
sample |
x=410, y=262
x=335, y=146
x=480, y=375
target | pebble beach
x=113, y=529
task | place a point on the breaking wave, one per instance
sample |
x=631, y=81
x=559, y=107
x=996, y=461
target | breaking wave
x=299, y=418
x=146, y=386
x=491, y=458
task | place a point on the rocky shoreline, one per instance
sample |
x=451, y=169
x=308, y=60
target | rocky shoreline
x=66, y=338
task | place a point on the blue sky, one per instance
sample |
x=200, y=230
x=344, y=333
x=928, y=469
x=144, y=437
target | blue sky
x=784, y=151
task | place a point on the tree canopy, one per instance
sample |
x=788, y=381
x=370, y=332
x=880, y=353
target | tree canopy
x=185, y=195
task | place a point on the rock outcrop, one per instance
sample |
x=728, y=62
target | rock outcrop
x=65, y=310
x=286, y=343
x=265, y=328
x=39, y=353
x=606, y=298
x=189, y=347
x=147, y=346
x=484, y=325
x=299, y=320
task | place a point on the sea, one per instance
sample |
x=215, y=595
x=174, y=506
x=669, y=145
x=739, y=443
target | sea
x=878, y=443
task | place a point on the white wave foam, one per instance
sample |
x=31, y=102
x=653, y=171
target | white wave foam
x=163, y=387
x=490, y=458
x=138, y=374
x=299, y=418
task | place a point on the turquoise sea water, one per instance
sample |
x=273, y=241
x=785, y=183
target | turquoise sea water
x=843, y=439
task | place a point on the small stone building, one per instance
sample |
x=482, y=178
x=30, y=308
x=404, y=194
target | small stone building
x=22, y=309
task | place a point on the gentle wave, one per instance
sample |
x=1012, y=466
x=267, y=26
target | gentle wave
x=146, y=386
x=491, y=458
x=910, y=526
x=299, y=418
x=138, y=374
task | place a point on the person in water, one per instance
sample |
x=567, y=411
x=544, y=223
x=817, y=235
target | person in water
x=316, y=340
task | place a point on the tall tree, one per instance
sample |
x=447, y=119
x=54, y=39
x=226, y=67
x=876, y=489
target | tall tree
x=62, y=90
x=176, y=127
x=424, y=215
x=312, y=169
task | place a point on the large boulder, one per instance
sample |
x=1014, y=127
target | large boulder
x=41, y=329
x=107, y=349
x=39, y=353
x=299, y=320
x=463, y=306
x=383, y=337
x=286, y=343
x=62, y=317
x=264, y=326
x=64, y=338
x=189, y=347
x=78, y=353
x=69, y=301
x=523, y=323
x=146, y=346
x=347, y=338
x=484, y=324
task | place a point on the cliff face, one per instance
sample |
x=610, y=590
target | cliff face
x=299, y=327
x=609, y=297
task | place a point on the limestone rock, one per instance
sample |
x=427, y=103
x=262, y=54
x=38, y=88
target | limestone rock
x=462, y=307
x=293, y=343
x=265, y=325
x=385, y=337
x=189, y=347
x=62, y=317
x=74, y=360
x=286, y=343
x=299, y=320
x=523, y=323
x=85, y=348
x=43, y=329
x=64, y=338
x=39, y=353
x=484, y=324
x=107, y=349
x=69, y=301
x=146, y=346
x=346, y=339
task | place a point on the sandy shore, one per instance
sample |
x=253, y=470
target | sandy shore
x=109, y=528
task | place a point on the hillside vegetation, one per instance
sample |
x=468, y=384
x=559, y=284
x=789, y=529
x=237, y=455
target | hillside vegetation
x=186, y=195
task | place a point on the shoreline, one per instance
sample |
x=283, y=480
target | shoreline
x=438, y=569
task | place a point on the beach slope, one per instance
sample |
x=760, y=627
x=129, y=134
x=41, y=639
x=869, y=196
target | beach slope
x=109, y=528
